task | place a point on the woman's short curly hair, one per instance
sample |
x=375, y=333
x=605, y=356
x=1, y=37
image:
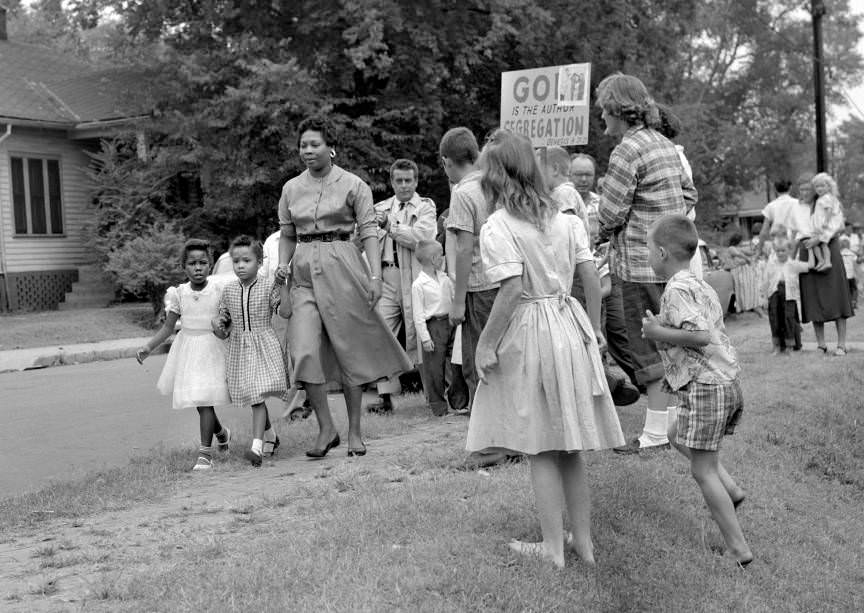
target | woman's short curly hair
x=626, y=97
x=317, y=124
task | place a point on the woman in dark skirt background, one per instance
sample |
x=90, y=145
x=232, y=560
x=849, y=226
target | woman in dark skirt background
x=824, y=295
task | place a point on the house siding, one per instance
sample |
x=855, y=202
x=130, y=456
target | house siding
x=46, y=253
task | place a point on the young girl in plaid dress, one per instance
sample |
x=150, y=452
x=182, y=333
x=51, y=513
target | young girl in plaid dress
x=255, y=365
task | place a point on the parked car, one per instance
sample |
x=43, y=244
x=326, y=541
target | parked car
x=716, y=276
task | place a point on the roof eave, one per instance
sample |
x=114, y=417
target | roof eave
x=103, y=127
x=37, y=123
x=77, y=131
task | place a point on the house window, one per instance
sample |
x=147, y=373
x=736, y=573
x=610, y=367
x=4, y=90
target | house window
x=36, y=198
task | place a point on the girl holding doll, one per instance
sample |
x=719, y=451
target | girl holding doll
x=194, y=372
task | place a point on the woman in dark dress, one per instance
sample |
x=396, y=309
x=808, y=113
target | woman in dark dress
x=824, y=295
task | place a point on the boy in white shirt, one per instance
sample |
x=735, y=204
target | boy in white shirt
x=431, y=298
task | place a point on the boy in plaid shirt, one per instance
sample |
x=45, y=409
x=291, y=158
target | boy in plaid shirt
x=701, y=367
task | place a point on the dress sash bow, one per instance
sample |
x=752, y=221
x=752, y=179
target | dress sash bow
x=583, y=325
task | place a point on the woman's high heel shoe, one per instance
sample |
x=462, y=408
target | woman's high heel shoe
x=320, y=453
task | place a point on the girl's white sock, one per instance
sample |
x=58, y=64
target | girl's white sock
x=258, y=446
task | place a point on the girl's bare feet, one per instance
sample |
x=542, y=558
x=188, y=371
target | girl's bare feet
x=537, y=550
x=586, y=553
x=742, y=560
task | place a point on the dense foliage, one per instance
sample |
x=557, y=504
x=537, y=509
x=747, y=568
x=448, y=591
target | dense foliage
x=237, y=75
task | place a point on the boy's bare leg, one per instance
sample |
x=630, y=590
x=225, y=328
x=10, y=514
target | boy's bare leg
x=577, y=495
x=546, y=479
x=733, y=489
x=704, y=467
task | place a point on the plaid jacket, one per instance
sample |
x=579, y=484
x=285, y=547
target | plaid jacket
x=644, y=181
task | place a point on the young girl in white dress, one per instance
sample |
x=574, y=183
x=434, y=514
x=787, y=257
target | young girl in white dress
x=255, y=366
x=194, y=372
x=542, y=389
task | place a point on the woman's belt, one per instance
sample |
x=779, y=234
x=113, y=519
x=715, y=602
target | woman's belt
x=324, y=237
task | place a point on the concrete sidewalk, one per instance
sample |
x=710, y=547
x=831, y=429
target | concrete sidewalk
x=42, y=357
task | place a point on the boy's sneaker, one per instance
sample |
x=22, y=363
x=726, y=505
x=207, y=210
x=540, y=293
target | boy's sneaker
x=253, y=457
x=203, y=464
x=222, y=443
x=270, y=447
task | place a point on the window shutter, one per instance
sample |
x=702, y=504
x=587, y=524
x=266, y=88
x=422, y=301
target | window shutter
x=19, y=196
x=54, y=199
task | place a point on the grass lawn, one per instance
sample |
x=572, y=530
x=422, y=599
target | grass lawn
x=407, y=529
x=53, y=328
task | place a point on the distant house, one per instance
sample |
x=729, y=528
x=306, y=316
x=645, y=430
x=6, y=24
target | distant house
x=53, y=108
x=746, y=211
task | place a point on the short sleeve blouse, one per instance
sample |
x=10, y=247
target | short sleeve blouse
x=501, y=259
x=334, y=203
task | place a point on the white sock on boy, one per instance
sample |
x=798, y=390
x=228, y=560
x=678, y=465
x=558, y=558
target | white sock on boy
x=654, y=432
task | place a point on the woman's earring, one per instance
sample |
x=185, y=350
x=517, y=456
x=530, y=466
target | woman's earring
x=332, y=154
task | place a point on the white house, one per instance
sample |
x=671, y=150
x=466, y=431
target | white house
x=53, y=108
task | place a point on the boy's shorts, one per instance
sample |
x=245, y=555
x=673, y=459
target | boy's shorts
x=707, y=412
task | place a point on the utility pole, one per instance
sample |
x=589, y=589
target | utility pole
x=817, y=10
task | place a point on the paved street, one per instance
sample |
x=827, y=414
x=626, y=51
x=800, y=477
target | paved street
x=57, y=423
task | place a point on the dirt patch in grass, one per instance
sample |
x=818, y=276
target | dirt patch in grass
x=59, y=328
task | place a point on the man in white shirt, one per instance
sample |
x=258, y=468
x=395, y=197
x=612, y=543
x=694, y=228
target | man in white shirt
x=583, y=171
x=781, y=213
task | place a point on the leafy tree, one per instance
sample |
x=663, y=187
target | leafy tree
x=149, y=263
x=237, y=75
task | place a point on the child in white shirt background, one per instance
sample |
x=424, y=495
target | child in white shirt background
x=780, y=286
x=431, y=297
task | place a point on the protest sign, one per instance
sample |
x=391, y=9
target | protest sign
x=548, y=105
